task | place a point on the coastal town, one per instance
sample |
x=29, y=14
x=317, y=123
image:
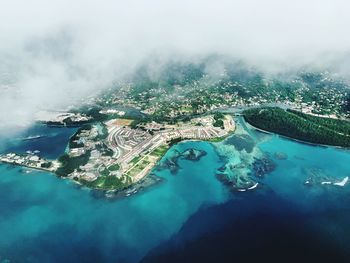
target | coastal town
x=124, y=132
x=114, y=156
x=137, y=151
x=316, y=94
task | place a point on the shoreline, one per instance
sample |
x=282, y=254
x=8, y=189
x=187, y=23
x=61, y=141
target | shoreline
x=118, y=193
x=139, y=187
x=297, y=140
x=147, y=181
x=150, y=178
x=27, y=166
x=143, y=178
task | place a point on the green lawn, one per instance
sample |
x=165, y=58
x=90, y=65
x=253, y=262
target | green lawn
x=106, y=183
x=160, y=151
x=135, y=160
x=138, y=167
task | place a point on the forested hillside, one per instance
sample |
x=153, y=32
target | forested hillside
x=300, y=126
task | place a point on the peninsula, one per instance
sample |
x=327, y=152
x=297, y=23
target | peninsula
x=114, y=155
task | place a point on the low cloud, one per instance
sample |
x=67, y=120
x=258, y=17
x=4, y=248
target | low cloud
x=54, y=53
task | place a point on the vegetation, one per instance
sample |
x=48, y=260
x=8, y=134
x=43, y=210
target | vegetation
x=114, y=167
x=103, y=134
x=340, y=126
x=104, y=150
x=185, y=90
x=46, y=165
x=137, y=121
x=174, y=141
x=300, y=126
x=105, y=183
x=160, y=151
x=217, y=139
x=69, y=164
x=140, y=165
x=135, y=160
x=218, y=120
x=69, y=122
x=73, y=141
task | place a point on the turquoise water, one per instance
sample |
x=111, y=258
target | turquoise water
x=289, y=177
x=43, y=216
x=46, y=219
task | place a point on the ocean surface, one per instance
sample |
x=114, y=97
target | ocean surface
x=191, y=216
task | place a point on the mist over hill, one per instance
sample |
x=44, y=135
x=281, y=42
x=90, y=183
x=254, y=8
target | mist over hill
x=55, y=54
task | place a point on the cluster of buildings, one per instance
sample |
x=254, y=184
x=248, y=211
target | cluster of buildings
x=198, y=129
x=112, y=111
x=86, y=142
x=128, y=143
x=29, y=160
x=133, y=146
x=201, y=96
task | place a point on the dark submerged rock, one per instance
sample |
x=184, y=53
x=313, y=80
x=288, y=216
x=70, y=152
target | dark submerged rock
x=263, y=166
x=172, y=162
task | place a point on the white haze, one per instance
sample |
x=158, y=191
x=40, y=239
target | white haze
x=54, y=53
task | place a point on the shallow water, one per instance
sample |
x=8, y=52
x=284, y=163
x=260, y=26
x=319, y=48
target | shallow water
x=46, y=219
x=281, y=221
x=41, y=215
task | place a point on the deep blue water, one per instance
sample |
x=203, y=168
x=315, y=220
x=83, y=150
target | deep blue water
x=51, y=144
x=191, y=216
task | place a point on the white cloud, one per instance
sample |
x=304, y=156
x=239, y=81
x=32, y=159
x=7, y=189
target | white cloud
x=55, y=52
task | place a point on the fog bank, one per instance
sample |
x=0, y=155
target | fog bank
x=54, y=53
